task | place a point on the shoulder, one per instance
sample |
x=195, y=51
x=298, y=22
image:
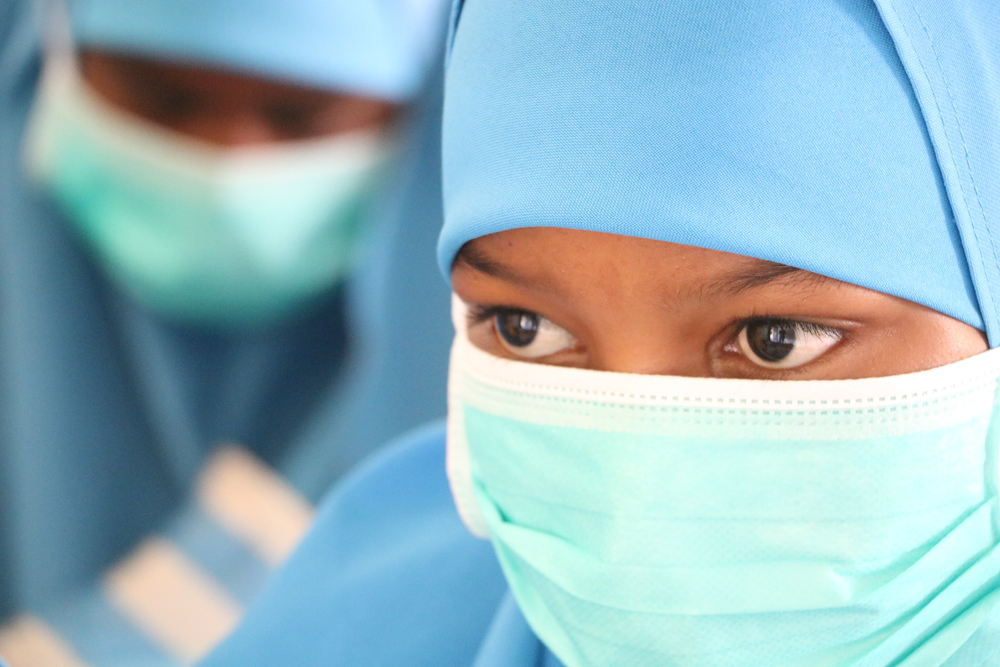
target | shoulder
x=388, y=575
x=404, y=481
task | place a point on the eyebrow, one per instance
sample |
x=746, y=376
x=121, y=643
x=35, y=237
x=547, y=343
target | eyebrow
x=757, y=273
x=761, y=272
x=472, y=256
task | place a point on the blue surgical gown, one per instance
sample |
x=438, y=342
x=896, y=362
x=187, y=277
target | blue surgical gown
x=388, y=576
x=107, y=413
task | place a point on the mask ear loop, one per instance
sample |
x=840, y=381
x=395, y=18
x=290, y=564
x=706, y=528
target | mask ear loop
x=991, y=466
x=457, y=460
x=60, y=67
x=57, y=32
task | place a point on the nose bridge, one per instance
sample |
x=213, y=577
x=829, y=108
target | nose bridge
x=658, y=343
x=663, y=360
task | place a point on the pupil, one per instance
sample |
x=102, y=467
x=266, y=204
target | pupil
x=771, y=341
x=518, y=328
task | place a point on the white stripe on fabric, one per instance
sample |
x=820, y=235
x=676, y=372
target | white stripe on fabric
x=28, y=641
x=221, y=555
x=177, y=594
x=167, y=596
x=247, y=498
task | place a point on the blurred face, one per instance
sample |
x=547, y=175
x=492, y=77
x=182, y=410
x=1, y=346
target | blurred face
x=619, y=303
x=224, y=107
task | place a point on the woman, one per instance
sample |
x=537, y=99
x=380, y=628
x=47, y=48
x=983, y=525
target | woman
x=721, y=391
x=213, y=246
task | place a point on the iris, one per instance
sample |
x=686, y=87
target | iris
x=517, y=327
x=771, y=341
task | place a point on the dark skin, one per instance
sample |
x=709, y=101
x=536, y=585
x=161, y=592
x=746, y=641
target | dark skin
x=618, y=303
x=224, y=107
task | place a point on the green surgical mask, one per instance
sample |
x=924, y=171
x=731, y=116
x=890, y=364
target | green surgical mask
x=647, y=521
x=201, y=234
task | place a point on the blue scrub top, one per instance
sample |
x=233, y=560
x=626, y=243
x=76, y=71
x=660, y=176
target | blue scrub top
x=107, y=413
x=388, y=576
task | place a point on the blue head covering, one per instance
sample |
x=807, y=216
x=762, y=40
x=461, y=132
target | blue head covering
x=381, y=48
x=856, y=139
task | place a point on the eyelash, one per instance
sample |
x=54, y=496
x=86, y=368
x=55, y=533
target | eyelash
x=479, y=314
x=798, y=325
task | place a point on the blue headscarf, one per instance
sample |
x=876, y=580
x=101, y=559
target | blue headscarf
x=854, y=139
x=369, y=47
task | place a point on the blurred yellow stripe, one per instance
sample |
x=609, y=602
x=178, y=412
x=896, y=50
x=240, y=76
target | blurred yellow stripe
x=253, y=503
x=28, y=641
x=167, y=596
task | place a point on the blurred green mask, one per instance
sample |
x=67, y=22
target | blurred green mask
x=220, y=237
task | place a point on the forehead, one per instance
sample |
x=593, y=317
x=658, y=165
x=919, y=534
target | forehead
x=567, y=258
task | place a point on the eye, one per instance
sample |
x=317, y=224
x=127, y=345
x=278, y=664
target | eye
x=164, y=103
x=291, y=120
x=777, y=343
x=530, y=335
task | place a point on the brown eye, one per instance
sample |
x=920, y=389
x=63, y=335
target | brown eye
x=517, y=328
x=777, y=343
x=291, y=120
x=530, y=335
x=770, y=341
x=162, y=101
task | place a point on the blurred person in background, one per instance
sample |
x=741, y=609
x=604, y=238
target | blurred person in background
x=217, y=293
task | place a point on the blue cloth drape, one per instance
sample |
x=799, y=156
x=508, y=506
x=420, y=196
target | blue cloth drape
x=388, y=576
x=106, y=412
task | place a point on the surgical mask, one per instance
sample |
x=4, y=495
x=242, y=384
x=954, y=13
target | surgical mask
x=645, y=521
x=202, y=234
